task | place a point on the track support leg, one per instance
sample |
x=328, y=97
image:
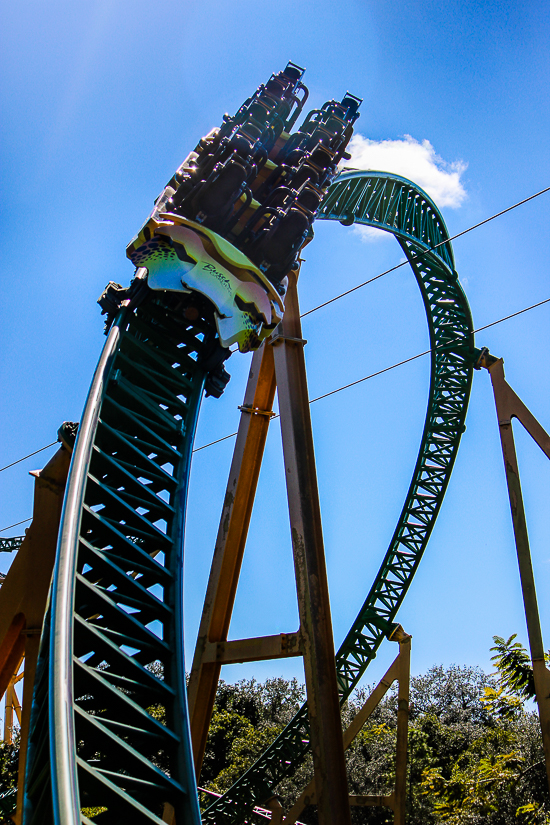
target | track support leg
x=404, y=676
x=24, y=593
x=399, y=669
x=11, y=705
x=230, y=544
x=331, y=787
x=279, y=363
x=508, y=406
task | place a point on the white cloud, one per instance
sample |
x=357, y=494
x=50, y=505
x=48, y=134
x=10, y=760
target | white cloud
x=414, y=160
x=369, y=234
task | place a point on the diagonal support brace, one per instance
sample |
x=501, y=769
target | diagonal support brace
x=509, y=406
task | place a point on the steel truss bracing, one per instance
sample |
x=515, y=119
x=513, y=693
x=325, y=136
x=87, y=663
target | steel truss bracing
x=11, y=544
x=111, y=650
x=395, y=205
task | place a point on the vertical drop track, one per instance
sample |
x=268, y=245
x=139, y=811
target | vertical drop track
x=109, y=726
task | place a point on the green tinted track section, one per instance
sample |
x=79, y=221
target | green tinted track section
x=111, y=654
x=394, y=204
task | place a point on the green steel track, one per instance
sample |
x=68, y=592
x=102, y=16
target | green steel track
x=395, y=205
x=111, y=652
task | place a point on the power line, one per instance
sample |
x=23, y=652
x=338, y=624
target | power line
x=421, y=254
x=17, y=523
x=386, y=369
x=497, y=215
x=513, y=315
x=372, y=375
x=340, y=389
x=353, y=289
x=426, y=352
x=27, y=456
x=217, y=441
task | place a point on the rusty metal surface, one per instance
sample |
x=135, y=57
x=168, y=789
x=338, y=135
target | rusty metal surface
x=230, y=544
x=281, y=362
x=12, y=705
x=404, y=675
x=309, y=561
x=508, y=406
x=399, y=669
x=257, y=649
x=24, y=592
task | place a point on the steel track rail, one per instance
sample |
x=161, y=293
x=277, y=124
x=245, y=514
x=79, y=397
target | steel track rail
x=111, y=655
x=11, y=544
x=395, y=205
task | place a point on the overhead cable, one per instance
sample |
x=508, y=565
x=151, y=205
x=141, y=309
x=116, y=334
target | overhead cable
x=386, y=369
x=17, y=523
x=359, y=286
x=27, y=456
x=513, y=315
x=421, y=254
x=345, y=387
x=426, y=352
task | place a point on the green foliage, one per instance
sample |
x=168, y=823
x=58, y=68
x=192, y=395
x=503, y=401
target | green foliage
x=9, y=759
x=475, y=754
x=474, y=758
x=513, y=664
x=273, y=702
x=243, y=752
x=500, y=703
x=226, y=728
x=91, y=813
x=247, y=717
x=474, y=788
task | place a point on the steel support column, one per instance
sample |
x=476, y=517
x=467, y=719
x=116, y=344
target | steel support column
x=24, y=593
x=230, y=544
x=397, y=800
x=309, y=560
x=404, y=675
x=12, y=704
x=399, y=670
x=508, y=406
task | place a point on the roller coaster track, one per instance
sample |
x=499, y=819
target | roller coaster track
x=111, y=652
x=11, y=544
x=111, y=648
x=395, y=205
x=109, y=729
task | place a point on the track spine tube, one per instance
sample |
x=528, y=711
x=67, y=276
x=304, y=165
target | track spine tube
x=185, y=756
x=111, y=655
x=66, y=807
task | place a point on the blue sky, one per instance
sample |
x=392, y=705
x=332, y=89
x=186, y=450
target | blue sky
x=101, y=101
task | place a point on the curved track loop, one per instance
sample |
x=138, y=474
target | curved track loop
x=394, y=204
x=111, y=653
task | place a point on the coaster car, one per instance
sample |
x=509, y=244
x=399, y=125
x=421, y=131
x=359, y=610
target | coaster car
x=183, y=256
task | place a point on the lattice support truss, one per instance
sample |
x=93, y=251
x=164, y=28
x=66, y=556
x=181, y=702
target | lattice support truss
x=108, y=662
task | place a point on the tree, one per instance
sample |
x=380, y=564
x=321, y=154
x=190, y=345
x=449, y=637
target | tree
x=500, y=777
x=475, y=751
x=515, y=671
x=469, y=763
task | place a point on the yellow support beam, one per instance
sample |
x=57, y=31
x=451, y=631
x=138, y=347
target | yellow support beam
x=24, y=593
